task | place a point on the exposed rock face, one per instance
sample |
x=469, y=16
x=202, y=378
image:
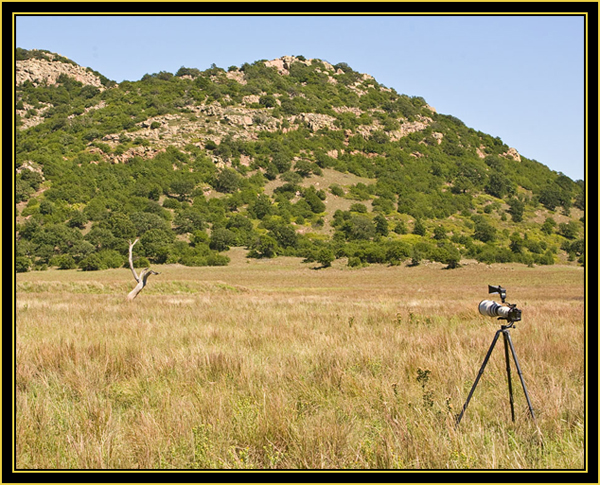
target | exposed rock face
x=512, y=153
x=39, y=71
x=316, y=121
x=237, y=76
x=438, y=136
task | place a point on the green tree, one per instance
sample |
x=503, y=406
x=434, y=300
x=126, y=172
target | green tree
x=568, y=230
x=285, y=235
x=227, y=181
x=548, y=226
x=550, y=196
x=397, y=251
x=400, y=228
x=419, y=228
x=358, y=228
x=221, y=239
x=77, y=220
x=381, y=225
x=64, y=261
x=325, y=257
x=92, y=263
x=484, y=231
x=516, y=209
x=439, y=233
x=447, y=254
x=182, y=188
x=516, y=243
x=155, y=244
x=303, y=168
x=261, y=207
x=264, y=246
x=22, y=264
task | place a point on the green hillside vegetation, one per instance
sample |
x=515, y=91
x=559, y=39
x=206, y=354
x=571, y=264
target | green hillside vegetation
x=328, y=164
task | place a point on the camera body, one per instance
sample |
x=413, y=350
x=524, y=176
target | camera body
x=490, y=308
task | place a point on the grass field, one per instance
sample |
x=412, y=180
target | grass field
x=275, y=365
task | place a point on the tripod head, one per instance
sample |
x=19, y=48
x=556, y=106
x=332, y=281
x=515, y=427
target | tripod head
x=498, y=289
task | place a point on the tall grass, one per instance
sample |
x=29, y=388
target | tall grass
x=278, y=366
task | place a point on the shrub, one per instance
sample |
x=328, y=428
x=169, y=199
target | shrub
x=92, y=263
x=400, y=228
x=439, y=233
x=419, y=228
x=111, y=258
x=215, y=259
x=325, y=256
x=64, y=261
x=396, y=252
x=221, y=239
x=360, y=208
x=264, y=246
x=484, y=231
x=354, y=262
x=22, y=264
x=336, y=190
x=227, y=181
x=568, y=230
x=548, y=226
x=171, y=204
x=546, y=259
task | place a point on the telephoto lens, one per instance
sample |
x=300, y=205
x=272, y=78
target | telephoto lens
x=489, y=308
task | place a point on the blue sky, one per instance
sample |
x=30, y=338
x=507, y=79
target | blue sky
x=520, y=78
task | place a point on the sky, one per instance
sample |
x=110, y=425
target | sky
x=519, y=78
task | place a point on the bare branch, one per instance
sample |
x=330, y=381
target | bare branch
x=135, y=275
x=142, y=278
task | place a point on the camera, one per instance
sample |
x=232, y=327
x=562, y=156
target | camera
x=490, y=308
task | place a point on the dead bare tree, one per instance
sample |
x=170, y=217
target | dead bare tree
x=142, y=278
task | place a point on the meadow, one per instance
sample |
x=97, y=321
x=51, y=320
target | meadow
x=277, y=365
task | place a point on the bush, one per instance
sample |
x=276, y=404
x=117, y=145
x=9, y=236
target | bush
x=22, y=264
x=336, y=190
x=227, y=181
x=64, y=261
x=484, y=231
x=221, y=239
x=171, y=204
x=325, y=256
x=546, y=259
x=92, y=263
x=419, y=228
x=111, y=258
x=140, y=262
x=354, y=262
x=215, y=259
x=360, y=208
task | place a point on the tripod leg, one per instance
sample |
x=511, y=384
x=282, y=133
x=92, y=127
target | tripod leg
x=485, y=361
x=510, y=390
x=514, y=354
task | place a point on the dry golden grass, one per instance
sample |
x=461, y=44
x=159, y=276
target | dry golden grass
x=274, y=365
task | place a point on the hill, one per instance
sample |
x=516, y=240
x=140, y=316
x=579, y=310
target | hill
x=291, y=156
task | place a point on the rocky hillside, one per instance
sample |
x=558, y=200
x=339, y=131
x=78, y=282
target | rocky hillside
x=289, y=156
x=45, y=71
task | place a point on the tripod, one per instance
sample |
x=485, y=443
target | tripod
x=504, y=330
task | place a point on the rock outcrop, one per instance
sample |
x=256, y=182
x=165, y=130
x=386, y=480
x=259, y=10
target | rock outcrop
x=39, y=71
